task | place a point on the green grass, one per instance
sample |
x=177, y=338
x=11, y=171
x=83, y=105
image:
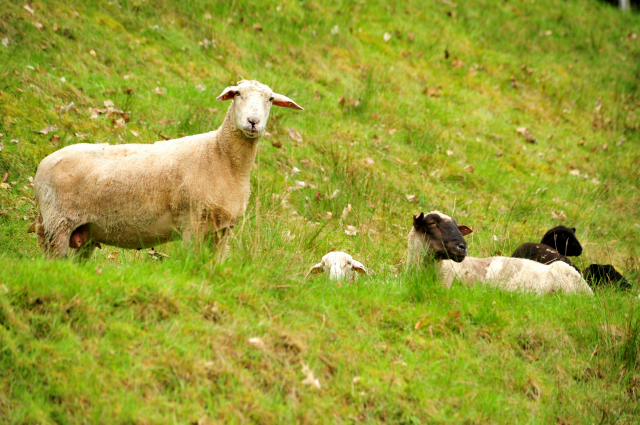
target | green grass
x=132, y=339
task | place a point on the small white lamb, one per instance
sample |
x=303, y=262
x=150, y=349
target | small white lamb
x=437, y=237
x=141, y=195
x=339, y=265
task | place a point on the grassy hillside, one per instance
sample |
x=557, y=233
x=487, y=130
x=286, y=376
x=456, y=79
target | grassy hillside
x=409, y=106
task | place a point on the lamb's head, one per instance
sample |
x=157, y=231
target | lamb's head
x=339, y=265
x=440, y=236
x=563, y=239
x=251, y=104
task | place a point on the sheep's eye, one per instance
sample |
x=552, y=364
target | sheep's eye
x=237, y=93
x=271, y=99
x=431, y=224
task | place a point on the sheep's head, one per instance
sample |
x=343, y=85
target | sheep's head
x=251, y=104
x=339, y=265
x=563, y=239
x=441, y=236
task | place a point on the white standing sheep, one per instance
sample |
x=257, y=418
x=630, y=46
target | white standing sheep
x=437, y=237
x=339, y=265
x=141, y=195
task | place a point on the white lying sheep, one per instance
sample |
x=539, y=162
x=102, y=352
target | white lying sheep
x=339, y=265
x=141, y=195
x=437, y=237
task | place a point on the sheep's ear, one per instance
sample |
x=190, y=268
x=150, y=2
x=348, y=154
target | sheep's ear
x=285, y=102
x=574, y=229
x=359, y=267
x=418, y=221
x=465, y=230
x=227, y=94
x=315, y=269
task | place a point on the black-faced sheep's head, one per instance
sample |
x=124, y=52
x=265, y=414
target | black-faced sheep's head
x=251, y=105
x=445, y=239
x=563, y=239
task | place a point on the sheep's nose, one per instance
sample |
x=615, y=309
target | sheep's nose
x=462, y=248
x=253, y=121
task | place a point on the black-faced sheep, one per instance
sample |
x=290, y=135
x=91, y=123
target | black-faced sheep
x=437, y=237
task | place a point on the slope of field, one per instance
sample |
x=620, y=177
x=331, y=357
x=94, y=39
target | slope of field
x=409, y=106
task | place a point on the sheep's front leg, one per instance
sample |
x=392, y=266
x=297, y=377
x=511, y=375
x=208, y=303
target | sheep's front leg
x=216, y=240
x=57, y=245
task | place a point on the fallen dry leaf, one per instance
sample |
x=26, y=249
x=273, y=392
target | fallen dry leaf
x=411, y=198
x=276, y=144
x=386, y=36
x=310, y=379
x=38, y=25
x=335, y=194
x=558, y=215
x=160, y=91
x=329, y=215
x=574, y=172
x=457, y=63
x=55, y=139
x=399, y=362
x=135, y=133
x=1, y=146
x=293, y=133
x=526, y=134
x=257, y=27
x=258, y=342
x=346, y=210
x=92, y=53
x=118, y=123
x=98, y=271
x=449, y=152
x=156, y=255
x=470, y=168
x=351, y=231
x=112, y=256
x=417, y=325
x=48, y=129
x=207, y=15
x=411, y=36
x=29, y=9
x=368, y=161
x=164, y=136
x=5, y=186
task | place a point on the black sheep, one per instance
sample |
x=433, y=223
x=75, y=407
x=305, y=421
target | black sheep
x=556, y=240
x=602, y=274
